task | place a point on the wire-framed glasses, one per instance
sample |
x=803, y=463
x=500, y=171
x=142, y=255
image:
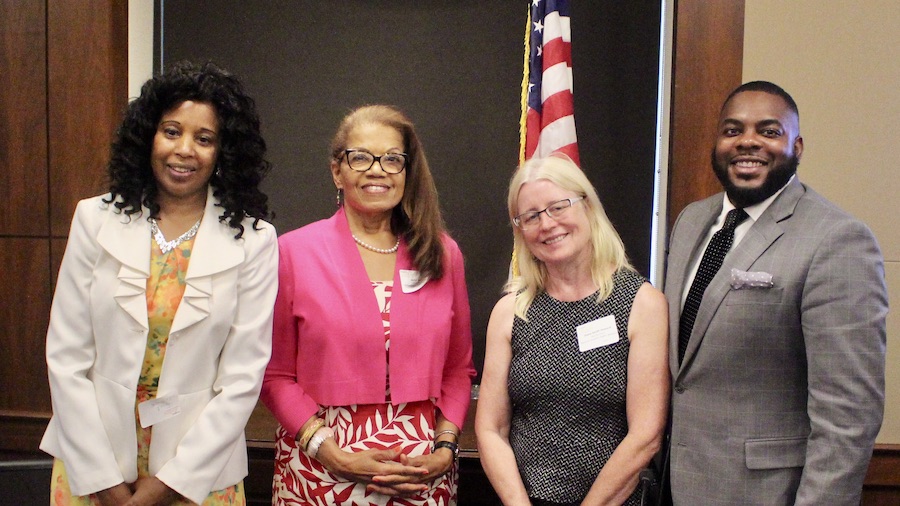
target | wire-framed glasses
x=555, y=210
x=361, y=161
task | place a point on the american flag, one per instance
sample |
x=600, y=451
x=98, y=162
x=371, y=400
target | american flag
x=548, y=106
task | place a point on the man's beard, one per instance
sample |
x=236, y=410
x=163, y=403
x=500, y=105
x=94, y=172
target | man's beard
x=743, y=197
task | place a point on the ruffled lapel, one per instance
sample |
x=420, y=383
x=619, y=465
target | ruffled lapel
x=127, y=239
x=215, y=250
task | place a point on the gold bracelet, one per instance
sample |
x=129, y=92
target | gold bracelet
x=308, y=433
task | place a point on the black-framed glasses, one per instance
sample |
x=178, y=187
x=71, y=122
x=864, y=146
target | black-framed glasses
x=554, y=210
x=361, y=161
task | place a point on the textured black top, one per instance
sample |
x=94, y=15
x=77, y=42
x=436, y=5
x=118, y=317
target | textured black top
x=568, y=406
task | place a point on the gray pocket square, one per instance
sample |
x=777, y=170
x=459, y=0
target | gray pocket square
x=742, y=279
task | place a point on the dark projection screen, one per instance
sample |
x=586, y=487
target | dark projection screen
x=455, y=67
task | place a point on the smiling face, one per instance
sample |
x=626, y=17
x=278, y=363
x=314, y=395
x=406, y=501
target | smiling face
x=184, y=151
x=758, y=147
x=555, y=241
x=373, y=193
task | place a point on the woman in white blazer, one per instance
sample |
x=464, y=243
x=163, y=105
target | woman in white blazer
x=160, y=329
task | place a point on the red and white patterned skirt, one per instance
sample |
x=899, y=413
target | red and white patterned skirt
x=301, y=480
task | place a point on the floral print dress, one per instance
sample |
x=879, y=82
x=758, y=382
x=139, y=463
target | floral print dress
x=165, y=288
x=301, y=480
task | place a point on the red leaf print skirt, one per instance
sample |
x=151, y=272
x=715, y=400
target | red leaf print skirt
x=301, y=480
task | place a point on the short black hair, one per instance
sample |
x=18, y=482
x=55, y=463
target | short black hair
x=765, y=87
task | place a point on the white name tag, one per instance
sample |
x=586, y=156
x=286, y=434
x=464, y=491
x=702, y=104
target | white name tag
x=411, y=281
x=597, y=333
x=159, y=409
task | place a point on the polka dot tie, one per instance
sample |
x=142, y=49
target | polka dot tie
x=709, y=265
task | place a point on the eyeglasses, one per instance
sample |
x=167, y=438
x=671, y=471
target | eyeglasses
x=555, y=210
x=361, y=161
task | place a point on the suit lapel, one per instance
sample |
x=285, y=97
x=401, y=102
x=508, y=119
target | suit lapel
x=765, y=231
x=127, y=239
x=692, y=227
x=215, y=250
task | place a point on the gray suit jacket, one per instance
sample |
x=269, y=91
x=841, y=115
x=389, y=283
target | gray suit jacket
x=781, y=392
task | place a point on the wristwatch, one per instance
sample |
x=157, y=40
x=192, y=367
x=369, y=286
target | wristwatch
x=453, y=447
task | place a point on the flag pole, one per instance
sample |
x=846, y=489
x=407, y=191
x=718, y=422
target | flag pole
x=523, y=121
x=523, y=118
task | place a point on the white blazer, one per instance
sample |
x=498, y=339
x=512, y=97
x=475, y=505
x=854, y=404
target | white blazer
x=218, y=348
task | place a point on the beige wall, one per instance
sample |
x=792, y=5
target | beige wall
x=140, y=45
x=840, y=59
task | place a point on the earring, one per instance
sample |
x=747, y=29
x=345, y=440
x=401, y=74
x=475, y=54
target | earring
x=339, y=198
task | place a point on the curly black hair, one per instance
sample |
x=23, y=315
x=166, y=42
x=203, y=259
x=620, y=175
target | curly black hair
x=240, y=158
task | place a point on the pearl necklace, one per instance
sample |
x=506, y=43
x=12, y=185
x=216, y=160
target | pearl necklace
x=385, y=251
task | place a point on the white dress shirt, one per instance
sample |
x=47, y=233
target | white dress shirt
x=754, y=212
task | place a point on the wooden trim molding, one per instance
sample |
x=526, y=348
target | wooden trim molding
x=22, y=430
x=882, y=485
x=884, y=468
x=708, y=64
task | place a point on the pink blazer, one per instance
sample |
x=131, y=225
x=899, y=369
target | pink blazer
x=328, y=341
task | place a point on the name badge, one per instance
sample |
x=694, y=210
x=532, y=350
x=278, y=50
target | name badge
x=411, y=281
x=159, y=409
x=597, y=333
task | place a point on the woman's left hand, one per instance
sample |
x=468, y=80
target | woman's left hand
x=151, y=492
x=438, y=464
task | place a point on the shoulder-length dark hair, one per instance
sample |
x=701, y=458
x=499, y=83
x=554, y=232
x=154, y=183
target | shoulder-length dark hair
x=240, y=154
x=418, y=216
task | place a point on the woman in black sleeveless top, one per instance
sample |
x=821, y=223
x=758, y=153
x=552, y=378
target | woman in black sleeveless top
x=575, y=387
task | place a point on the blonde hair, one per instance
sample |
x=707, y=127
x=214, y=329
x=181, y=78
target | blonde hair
x=608, y=251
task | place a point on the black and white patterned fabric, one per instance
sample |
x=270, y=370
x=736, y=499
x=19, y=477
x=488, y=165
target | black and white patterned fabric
x=568, y=406
x=710, y=264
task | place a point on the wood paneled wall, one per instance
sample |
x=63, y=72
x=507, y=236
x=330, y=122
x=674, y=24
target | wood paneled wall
x=63, y=85
x=87, y=58
x=23, y=118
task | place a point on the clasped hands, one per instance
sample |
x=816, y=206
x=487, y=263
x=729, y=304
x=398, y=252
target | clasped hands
x=387, y=472
x=148, y=491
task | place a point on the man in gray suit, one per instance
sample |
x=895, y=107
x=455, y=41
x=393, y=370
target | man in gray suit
x=778, y=386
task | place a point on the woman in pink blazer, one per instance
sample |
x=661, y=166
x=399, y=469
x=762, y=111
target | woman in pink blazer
x=372, y=347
